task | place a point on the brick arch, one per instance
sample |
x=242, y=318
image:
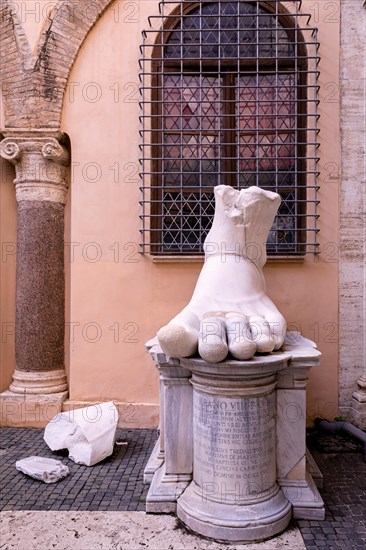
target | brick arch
x=15, y=56
x=34, y=86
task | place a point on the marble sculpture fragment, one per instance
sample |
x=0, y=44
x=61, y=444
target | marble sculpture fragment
x=229, y=310
x=87, y=433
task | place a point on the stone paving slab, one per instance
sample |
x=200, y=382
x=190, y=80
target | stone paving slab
x=116, y=531
x=116, y=485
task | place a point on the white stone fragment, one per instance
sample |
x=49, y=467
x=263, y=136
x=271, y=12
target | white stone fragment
x=87, y=433
x=48, y=470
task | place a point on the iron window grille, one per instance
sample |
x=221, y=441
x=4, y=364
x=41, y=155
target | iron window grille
x=228, y=96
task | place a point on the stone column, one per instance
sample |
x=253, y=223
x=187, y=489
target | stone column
x=234, y=495
x=39, y=383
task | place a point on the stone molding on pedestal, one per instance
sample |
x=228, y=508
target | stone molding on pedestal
x=234, y=494
x=169, y=469
x=251, y=470
x=40, y=163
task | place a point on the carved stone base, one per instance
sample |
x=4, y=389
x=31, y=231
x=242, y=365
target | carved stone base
x=313, y=469
x=46, y=382
x=226, y=521
x=29, y=410
x=305, y=498
x=164, y=491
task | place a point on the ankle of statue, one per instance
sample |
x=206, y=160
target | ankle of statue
x=229, y=255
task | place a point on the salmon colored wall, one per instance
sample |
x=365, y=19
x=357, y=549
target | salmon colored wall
x=8, y=235
x=8, y=220
x=116, y=298
x=138, y=294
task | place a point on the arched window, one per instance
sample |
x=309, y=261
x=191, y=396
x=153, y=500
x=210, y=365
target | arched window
x=228, y=99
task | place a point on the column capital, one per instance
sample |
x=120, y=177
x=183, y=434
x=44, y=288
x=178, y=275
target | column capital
x=10, y=150
x=40, y=161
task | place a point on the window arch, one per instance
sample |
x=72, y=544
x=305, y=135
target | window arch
x=228, y=100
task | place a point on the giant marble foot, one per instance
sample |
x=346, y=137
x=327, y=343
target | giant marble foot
x=230, y=310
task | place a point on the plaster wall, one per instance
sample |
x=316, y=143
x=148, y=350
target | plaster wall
x=8, y=217
x=116, y=298
x=8, y=232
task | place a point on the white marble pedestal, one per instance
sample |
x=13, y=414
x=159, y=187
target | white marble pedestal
x=231, y=459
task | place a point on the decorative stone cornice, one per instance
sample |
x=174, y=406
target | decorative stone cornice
x=41, y=166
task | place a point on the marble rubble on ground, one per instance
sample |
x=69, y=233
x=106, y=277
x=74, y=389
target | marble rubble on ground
x=48, y=470
x=87, y=433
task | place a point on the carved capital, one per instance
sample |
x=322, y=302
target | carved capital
x=10, y=150
x=40, y=163
x=53, y=150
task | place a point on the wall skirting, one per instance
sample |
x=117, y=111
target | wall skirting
x=35, y=411
x=131, y=415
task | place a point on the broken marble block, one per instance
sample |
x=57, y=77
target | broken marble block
x=87, y=433
x=48, y=470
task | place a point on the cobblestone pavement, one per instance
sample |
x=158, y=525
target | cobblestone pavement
x=117, y=483
x=340, y=459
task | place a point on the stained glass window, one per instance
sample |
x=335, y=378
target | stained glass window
x=228, y=107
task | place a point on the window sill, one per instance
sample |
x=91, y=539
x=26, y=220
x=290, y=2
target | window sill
x=200, y=259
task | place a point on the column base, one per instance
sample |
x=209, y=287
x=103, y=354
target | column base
x=155, y=461
x=164, y=491
x=305, y=498
x=230, y=522
x=35, y=382
x=29, y=410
